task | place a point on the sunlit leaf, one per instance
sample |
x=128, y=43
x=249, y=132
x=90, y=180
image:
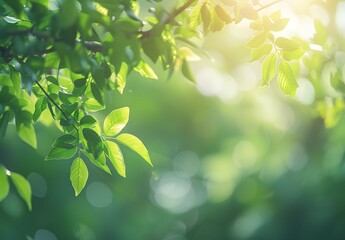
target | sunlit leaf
x=269, y=69
x=286, y=79
x=257, y=40
x=135, y=144
x=116, y=121
x=145, y=70
x=116, y=158
x=258, y=53
x=79, y=175
x=222, y=14
x=286, y=44
x=23, y=187
x=27, y=134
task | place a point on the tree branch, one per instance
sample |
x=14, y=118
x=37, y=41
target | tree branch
x=269, y=5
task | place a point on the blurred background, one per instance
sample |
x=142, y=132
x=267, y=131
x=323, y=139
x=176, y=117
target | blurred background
x=231, y=160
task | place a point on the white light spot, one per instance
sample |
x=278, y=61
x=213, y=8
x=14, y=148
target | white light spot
x=305, y=92
x=99, y=195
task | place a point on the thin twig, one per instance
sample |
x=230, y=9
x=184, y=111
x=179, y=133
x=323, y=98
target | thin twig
x=55, y=104
x=269, y=5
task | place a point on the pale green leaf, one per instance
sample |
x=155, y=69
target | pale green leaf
x=23, y=187
x=293, y=55
x=286, y=44
x=116, y=158
x=135, y=144
x=145, y=70
x=187, y=72
x=4, y=185
x=269, y=69
x=27, y=134
x=116, y=121
x=286, y=79
x=279, y=25
x=257, y=40
x=258, y=53
x=79, y=175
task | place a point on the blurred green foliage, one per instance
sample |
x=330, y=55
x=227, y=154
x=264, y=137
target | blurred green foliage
x=231, y=160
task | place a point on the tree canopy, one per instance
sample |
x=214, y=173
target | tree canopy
x=58, y=60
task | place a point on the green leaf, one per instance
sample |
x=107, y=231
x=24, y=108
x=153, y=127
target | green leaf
x=145, y=70
x=286, y=44
x=337, y=81
x=135, y=144
x=57, y=153
x=121, y=77
x=116, y=158
x=79, y=175
x=66, y=141
x=269, y=69
x=4, y=123
x=93, y=105
x=293, y=55
x=116, y=121
x=27, y=134
x=258, y=53
x=257, y=40
x=187, y=72
x=97, y=93
x=23, y=187
x=100, y=162
x=93, y=141
x=88, y=121
x=5, y=186
x=279, y=25
x=68, y=13
x=286, y=79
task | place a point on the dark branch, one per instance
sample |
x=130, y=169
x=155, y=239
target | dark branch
x=55, y=104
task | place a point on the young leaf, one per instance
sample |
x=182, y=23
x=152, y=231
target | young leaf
x=96, y=93
x=57, y=153
x=222, y=14
x=23, y=187
x=100, y=162
x=145, y=70
x=5, y=186
x=286, y=44
x=279, y=25
x=205, y=16
x=135, y=144
x=257, y=53
x=187, y=72
x=269, y=69
x=79, y=175
x=321, y=34
x=257, y=40
x=292, y=55
x=121, y=77
x=116, y=158
x=94, y=142
x=27, y=134
x=116, y=121
x=286, y=79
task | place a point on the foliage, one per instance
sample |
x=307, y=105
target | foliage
x=58, y=59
